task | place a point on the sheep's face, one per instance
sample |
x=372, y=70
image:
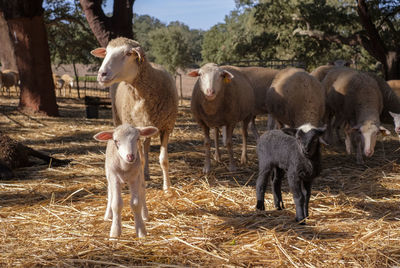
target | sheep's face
x=121, y=63
x=396, y=119
x=126, y=139
x=211, y=79
x=368, y=133
x=308, y=137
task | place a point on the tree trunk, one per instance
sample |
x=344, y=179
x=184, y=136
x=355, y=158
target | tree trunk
x=392, y=67
x=7, y=55
x=25, y=21
x=107, y=28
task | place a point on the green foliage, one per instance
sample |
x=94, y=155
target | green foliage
x=174, y=46
x=70, y=38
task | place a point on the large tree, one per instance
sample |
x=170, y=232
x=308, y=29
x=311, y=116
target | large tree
x=371, y=26
x=27, y=30
x=106, y=28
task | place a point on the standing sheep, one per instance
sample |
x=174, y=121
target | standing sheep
x=391, y=102
x=260, y=79
x=295, y=98
x=68, y=83
x=125, y=164
x=9, y=78
x=298, y=156
x=145, y=94
x=222, y=96
x=355, y=100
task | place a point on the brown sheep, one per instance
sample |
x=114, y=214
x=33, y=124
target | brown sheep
x=14, y=154
x=142, y=93
x=9, y=78
x=355, y=100
x=296, y=98
x=222, y=96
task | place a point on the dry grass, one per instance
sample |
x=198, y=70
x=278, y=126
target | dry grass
x=54, y=216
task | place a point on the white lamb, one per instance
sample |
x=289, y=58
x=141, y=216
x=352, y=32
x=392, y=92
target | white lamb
x=125, y=164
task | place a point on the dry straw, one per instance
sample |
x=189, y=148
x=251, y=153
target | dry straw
x=54, y=216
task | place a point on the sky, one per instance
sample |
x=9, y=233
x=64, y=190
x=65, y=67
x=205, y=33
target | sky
x=197, y=14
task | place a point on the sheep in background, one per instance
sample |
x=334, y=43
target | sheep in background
x=14, y=154
x=142, y=94
x=58, y=83
x=222, y=96
x=68, y=83
x=391, y=103
x=295, y=98
x=9, y=78
x=356, y=101
x=298, y=155
x=125, y=164
x=395, y=86
x=260, y=79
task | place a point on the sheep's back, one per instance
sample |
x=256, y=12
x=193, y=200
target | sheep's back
x=295, y=98
x=153, y=101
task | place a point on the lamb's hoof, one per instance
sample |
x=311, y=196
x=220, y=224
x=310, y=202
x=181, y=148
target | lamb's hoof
x=232, y=168
x=114, y=233
x=243, y=161
x=141, y=233
x=107, y=217
x=301, y=221
x=260, y=205
x=206, y=169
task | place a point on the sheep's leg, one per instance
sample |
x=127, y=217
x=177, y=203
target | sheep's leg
x=261, y=185
x=253, y=128
x=298, y=197
x=229, y=133
x=116, y=207
x=307, y=195
x=164, y=136
x=245, y=124
x=108, y=214
x=347, y=140
x=216, y=143
x=271, y=122
x=137, y=203
x=146, y=149
x=207, y=141
x=276, y=188
x=359, y=152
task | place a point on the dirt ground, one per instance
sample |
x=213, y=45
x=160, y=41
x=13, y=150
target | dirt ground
x=53, y=216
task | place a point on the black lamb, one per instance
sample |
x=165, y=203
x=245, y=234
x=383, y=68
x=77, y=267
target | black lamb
x=295, y=152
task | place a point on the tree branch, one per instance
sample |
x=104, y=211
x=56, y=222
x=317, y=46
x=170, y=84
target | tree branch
x=379, y=50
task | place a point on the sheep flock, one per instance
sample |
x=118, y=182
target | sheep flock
x=204, y=211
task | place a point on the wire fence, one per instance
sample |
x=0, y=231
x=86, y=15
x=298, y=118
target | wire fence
x=86, y=86
x=268, y=63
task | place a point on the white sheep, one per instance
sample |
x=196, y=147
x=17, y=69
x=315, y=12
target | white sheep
x=222, y=97
x=142, y=93
x=296, y=98
x=124, y=164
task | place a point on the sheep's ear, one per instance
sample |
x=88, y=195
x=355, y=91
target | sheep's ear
x=384, y=131
x=194, y=73
x=356, y=128
x=99, y=52
x=140, y=53
x=227, y=77
x=104, y=136
x=394, y=115
x=147, y=131
x=289, y=131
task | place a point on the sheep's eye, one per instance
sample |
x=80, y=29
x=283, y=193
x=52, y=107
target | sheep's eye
x=116, y=143
x=129, y=54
